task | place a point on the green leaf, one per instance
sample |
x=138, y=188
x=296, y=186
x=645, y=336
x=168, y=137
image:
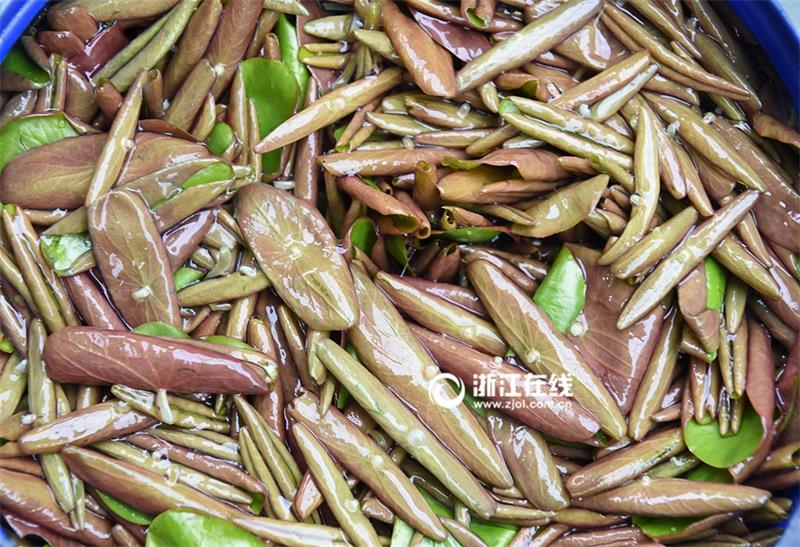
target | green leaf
x=362, y=234
x=274, y=89
x=159, y=328
x=258, y=502
x=131, y=514
x=180, y=527
x=227, y=341
x=716, y=279
x=213, y=173
x=287, y=40
x=186, y=276
x=456, y=163
x=396, y=247
x=709, y=474
x=220, y=138
x=474, y=19
x=62, y=251
x=507, y=106
x=705, y=442
x=497, y=534
x=18, y=61
x=402, y=533
x=660, y=526
x=474, y=234
x=29, y=132
x=5, y=345
x=563, y=291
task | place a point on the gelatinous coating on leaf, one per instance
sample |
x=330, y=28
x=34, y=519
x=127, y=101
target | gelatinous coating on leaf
x=297, y=250
x=90, y=356
x=132, y=258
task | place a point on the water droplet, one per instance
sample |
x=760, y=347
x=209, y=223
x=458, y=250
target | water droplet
x=27, y=419
x=635, y=200
x=377, y=461
x=577, y=329
x=142, y=293
x=408, y=142
x=532, y=356
x=352, y=505
x=709, y=117
x=416, y=437
x=673, y=128
x=585, y=111
x=463, y=109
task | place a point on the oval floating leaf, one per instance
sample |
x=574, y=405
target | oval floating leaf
x=28, y=132
x=298, y=252
x=705, y=442
x=274, y=89
x=190, y=529
x=563, y=291
x=54, y=175
x=132, y=258
x=125, y=511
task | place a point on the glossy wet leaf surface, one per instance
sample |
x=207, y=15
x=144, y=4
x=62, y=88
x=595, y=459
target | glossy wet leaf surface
x=716, y=281
x=273, y=87
x=125, y=511
x=563, y=291
x=289, y=46
x=299, y=254
x=132, y=258
x=705, y=472
x=186, y=276
x=61, y=252
x=471, y=235
x=26, y=133
x=362, y=234
x=705, y=442
x=179, y=527
x=220, y=138
x=213, y=173
x=17, y=61
x=54, y=175
x=660, y=526
x=493, y=533
x=158, y=328
x=618, y=357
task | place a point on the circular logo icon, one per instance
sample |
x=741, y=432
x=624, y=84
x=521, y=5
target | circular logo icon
x=442, y=393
